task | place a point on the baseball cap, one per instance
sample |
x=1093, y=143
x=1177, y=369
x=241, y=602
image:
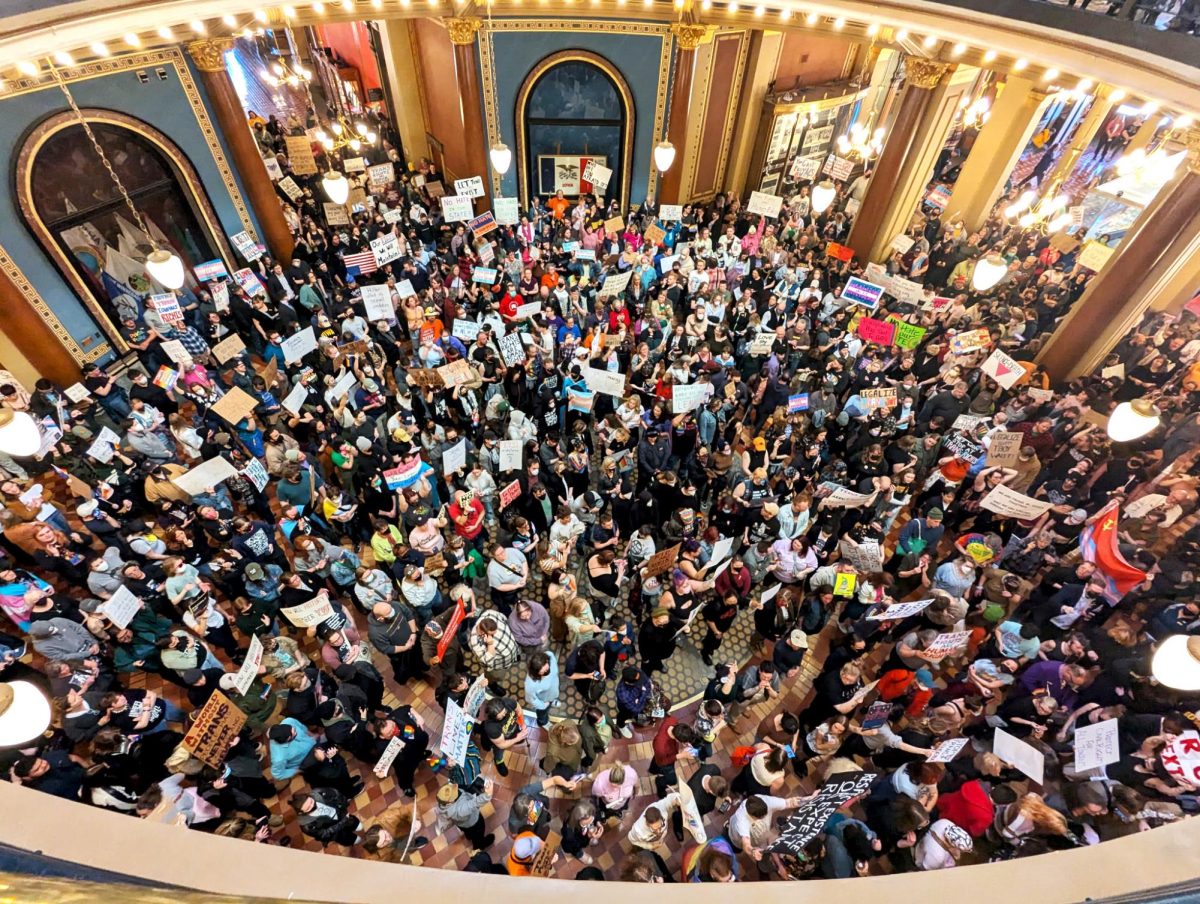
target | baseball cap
x=254, y=571
x=924, y=678
x=228, y=681
x=798, y=639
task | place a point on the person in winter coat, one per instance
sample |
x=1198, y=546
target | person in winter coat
x=290, y=743
x=324, y=815
x=633, y=696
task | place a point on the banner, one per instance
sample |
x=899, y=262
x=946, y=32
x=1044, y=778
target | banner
x=808, y=820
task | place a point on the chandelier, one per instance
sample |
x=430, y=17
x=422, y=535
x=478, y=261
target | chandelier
x=280, y=73
x=860, y=142
x=974, y=113
x=1046, y=213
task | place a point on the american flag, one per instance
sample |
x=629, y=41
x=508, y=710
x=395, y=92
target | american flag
x=361, y=263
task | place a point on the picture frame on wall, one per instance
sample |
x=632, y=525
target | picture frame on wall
x=564, y=172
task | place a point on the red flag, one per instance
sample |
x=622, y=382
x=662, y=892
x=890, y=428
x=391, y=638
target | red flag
x=1099, y=544
x=447, y=637
x=841, y=252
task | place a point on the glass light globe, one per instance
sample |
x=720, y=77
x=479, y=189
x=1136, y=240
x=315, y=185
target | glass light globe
x=166, y=268
x=823, y=194
x=1133, y=420
x=501, y=157
x=336, y=187
x=1176, y=662
x=337, y=128
x=988, y=271
x=355, y=144
x=19, y=433
x=24, y=713
x=664, y=156
x=372, y=137
x=360, y=128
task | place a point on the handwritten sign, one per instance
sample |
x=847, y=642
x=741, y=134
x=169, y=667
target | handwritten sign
x=507, y=211
x=947, y=750
x=471, y=187
x=670, y=212
x=256, y=474
x=605, y=381
x=1094, y=256
x=1096, y=745
x=289, y=186
x=456, y=208
x=969, y=341
x=945, y=644
x=1181, y=757
x=1003, y=369
x=899, y=610
x=297, y=345
x=121, y=607
x=235, y=405
x=249, y=669
x=214, y=731
x=1011, y=504
x=1005, y=449
x=310, y=614
x=908, y=335
x=764, y=204
x=662, y=561
x=176, y=351
x=844, y=584
x=205, y=475
x=295, y=399
x=335, y=214
x=510, y=494
x=880, y=332
x=615, y=284
x=685, y=397
x=456, y=733
x=300, y=155
x=377, y=302
x=380, y=175
x=229, y=347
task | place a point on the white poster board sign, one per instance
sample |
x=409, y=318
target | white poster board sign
x=249, y=669
x=297, y=345
x=456, y=208
x=121, y=607
x=1025, y=757
x=507, y=211
x=205, y=475
x=511, y=454
x=1096, y=745
x=1011, y=504
x=605, y=381
x=763, y=204
x=471, y=187
x=1003, y=369
x=310, y=614
x=377, y=302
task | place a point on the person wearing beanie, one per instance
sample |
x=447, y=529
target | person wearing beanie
x=388, y=839
x=463, y=809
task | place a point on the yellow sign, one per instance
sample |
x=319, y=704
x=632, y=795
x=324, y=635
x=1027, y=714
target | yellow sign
x=845, y=584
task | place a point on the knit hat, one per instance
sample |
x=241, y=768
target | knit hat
x=936, y=514
x=191, y=676
x=291, y=455
x=993, y=612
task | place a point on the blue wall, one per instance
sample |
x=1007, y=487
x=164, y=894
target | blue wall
x=162, y=104
x=635, y=56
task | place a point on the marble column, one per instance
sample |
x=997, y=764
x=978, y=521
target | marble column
x=1119, y=293
x=463, y=31
x=226, y=107
x=899, y=176
x=25, y=328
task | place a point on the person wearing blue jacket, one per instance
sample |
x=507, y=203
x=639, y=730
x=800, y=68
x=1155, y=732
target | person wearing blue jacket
x=633, y=696
x=290, y=744
x=541, y=684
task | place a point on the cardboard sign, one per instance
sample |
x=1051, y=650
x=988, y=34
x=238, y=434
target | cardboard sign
x=860, y=292
x=1011, y=504
x=507, y=211
x=510, y=494
x=300, y=155
x=880, y=332
x=235, y=406
x=543, y=862
x=297, y=345
x=456, y=373
x=471, y=187
x=249, y=669
x=764, y=204
x=293, y=191
x=1094, y=256
x=1003, y=369
x=605, y=381
x=1005, y=449
x=377, y=303
x=654, y=235
x=310, y=614
x=215, y=729
x=457, y=208
x=1020, y=755
x=662, y=561
x=205, y=475
x=615, y=225
x=229, y=347
x=1096, y=745
x=808, y=820
x=121, y=607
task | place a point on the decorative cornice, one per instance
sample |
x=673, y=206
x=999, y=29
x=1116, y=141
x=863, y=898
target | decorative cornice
x=689, y=37
x=1193, y=149
x=462, y=29
x=923, y=73
x=209, y=54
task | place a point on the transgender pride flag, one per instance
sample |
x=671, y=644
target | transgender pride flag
x=862, y=292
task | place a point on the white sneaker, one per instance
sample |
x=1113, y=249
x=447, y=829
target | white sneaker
x=626, y=731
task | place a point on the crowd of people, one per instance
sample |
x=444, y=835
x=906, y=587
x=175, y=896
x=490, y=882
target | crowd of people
x=534, y=481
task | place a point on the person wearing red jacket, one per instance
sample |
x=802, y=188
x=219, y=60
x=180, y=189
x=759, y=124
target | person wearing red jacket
x=916, y=686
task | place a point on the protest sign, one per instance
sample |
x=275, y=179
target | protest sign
x=597, y=174
x=249, y=669
x=761, y=344
x=456, y=208
x=525, y=311
x=839, y=252
x=861, y=292
x=343, y=384
x=1002, y=368
x=235, y=405
x=877, y=714
x=963, y=447
x=121, y=607
x=390, y=752
x=1094, y=256
x=798, y=402
x=615, y=284
x=214, y=731
x=685, y=397
x=471, y=187
x=945, y=644
x=607, y=382
x=102, y=450
x=947, y=750
x=1115, y=372
x=969, y=341
x=393, y=216
x=1096, y=745
x=167, y=307
x=879, y=398
x=510, y=494
x=76, y=392
x=250, y=283
x=866, y=557
x=205, y=475
x=1019, y=754
x=293, y=191
x=844, y=584
x=487, y=276
x=456, y=733
x=386, y=249
x=1144, y=505
x=614, y=225
x=511, y=455
x=841, y=497
x=839, y=168
x=335, y=214
x=456, y=373
x=507, y=210
x=1005, y=449
x=906, y=290
x=379, y=175
x=229, y=347
x=176, y=352
x=511, y=349
x=1041, y=395
x=310, y=614
x=454, y=459
x=654, y=235
x=220, y=296
x=482, y=224
x=246, y=246
x=880, y=332
x=806, y=169
x=257, y=474
x=297, y=345
x=900, y=610
x=908, y=335
x=808, y=820
x=763, y=204
x=662, y=561
x=300, y=155
x=466, y=330
x=1181, y=757
x=903, y=243
x=295, y=399
x=1011, y=504
x=377, y=302
x=354, y=164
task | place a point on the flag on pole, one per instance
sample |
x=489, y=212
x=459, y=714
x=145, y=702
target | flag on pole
x=1098, y=543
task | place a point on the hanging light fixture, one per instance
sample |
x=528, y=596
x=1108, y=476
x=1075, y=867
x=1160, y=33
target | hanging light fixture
x=1046, y=213
x=164, y=266
x=284, y=72
x=336, y=186
x=19, y=433
x=860, y=142
x=974, y=113
x=1133, y=420
x=823, y=194
x=24, y=713
x=988, y=271
x=501, y=157
x=664, y=156
x=1176, y=662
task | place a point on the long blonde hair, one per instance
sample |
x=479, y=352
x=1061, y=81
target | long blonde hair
x=1044, y=817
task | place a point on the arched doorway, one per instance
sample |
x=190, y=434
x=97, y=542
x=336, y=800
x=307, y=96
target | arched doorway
x=573, y=107
x=75, y=211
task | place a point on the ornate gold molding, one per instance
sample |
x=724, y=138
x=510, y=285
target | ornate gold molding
x=209, y=54
x=31, y=295
x=1193, y=149
x=923, y=73
x=462, y=29
x=689, y=37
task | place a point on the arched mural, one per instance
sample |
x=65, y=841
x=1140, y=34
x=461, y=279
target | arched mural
x=574, y=107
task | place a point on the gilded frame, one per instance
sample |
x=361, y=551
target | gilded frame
x=171, y=56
